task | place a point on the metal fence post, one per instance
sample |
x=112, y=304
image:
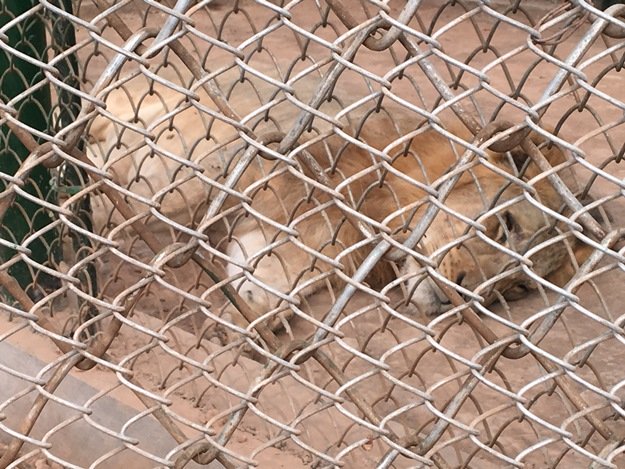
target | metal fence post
x=71, y=178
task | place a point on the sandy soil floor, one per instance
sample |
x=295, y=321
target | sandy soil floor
x=406, y=376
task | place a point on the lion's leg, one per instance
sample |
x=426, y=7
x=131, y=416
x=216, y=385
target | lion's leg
x=276, y=271
x=425, y=295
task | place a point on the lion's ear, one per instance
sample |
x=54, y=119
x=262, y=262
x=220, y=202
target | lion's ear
x=519, y=159
x=553, y=153
x=568, y=269
x=581, y=251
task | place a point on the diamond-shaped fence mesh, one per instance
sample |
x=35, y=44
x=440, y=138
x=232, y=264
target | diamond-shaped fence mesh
x=312, y=233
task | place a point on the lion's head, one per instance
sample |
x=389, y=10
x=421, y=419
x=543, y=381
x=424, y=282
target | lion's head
x=494, y=231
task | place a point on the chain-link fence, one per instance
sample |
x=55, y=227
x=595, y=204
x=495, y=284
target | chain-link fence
x=312, y=233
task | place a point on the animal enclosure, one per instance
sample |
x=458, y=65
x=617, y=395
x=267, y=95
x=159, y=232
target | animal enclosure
x=312, y=233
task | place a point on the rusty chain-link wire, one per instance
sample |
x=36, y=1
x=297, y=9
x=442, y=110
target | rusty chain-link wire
x=332, y=233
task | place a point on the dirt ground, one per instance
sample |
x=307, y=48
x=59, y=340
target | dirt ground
x=407, y=368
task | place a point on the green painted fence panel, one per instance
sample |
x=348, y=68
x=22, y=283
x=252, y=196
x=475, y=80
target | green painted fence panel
x=25, y=217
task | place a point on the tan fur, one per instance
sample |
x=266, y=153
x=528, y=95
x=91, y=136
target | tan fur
x=471, y=263
x=310, y=241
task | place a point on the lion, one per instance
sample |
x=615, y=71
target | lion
x=286, y=235
x=299, y=233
